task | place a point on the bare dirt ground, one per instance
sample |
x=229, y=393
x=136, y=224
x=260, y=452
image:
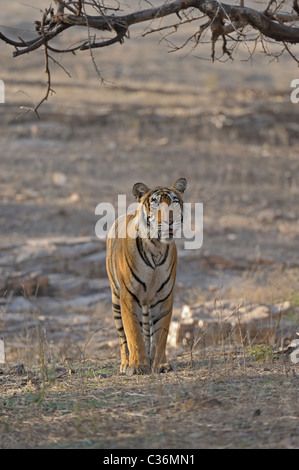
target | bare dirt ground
x=232, y=131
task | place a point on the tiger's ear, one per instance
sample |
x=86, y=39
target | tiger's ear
x=180, y=185
x=139, y=190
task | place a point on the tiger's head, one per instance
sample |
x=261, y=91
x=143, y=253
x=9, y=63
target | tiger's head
x=160, y=210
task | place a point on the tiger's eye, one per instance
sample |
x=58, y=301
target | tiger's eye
x=154, y=203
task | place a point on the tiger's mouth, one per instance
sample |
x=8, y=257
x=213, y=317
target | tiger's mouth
x=166, y=232
x=164, y=227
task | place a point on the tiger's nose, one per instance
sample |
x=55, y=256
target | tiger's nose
x=168, y=222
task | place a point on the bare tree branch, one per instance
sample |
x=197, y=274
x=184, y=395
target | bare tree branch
x=47, y=71
x=257, y=20
x=270, y=25
x=279, y=21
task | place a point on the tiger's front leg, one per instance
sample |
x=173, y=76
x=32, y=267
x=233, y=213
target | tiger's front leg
x=139, y=362
x=161, y=317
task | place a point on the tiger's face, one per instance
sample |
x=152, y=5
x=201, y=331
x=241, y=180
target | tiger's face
x=161, y=209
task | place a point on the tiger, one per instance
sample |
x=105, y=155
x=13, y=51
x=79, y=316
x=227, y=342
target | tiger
x=141, y=266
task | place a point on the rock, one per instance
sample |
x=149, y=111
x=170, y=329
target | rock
x=266, y=215
x=59, y=179
x=281, y=308
x=33, y=253
x=247, y=315
x=74, y=197
x=172, y=335
x=91, y=266
x=27, y=193
x=78, y=250
x=58, y=283
x=213, y=323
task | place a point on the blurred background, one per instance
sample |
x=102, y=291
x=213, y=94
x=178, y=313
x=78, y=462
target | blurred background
x=229, y=127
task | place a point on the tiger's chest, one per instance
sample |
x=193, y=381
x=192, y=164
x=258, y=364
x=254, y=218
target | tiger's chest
x=152, y=275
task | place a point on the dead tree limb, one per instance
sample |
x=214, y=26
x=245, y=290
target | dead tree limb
x=269, y=25
x=277, y=21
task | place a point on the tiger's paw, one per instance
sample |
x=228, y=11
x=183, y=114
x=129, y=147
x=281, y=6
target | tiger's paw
x=138, y=369
x=162, y=368
x=123, y=367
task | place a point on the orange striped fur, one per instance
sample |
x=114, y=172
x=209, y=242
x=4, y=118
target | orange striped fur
x=142, y=270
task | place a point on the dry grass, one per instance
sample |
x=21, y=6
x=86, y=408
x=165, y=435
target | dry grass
x=267, y=286
x=224, y=396
x=219, y=400
x=261, y=285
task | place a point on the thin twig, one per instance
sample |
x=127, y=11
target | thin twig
x=47, y=71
